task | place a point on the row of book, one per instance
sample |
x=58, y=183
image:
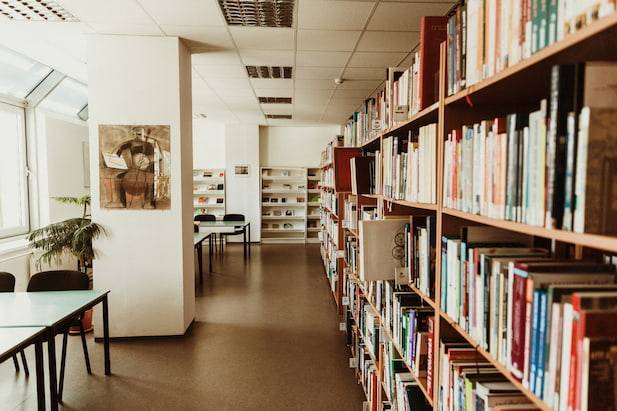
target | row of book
x=419, y=252
x=468, y=382
x=533, y=168
x=402, y=388
x=409, y=166
x=407, y=90
x=520, y=305
x=486, y=36
x=365, y=173
x=329, y=200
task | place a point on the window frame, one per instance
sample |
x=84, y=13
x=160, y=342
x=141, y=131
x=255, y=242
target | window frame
x=25, y=184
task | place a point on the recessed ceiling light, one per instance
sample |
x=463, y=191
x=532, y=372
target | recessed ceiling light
x=35, y=10
x=269, y=72
x=279, y=116
x=261, y=13
x=274, y=100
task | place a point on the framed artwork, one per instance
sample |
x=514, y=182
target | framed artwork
x=241, y=170
x=135, y=167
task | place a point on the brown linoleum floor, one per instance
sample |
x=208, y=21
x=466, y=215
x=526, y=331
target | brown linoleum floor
x=265, y=338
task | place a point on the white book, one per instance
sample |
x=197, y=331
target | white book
x=566, y=345
x=581, y=171
x=554, y=354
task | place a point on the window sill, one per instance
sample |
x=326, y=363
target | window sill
x=14, y=246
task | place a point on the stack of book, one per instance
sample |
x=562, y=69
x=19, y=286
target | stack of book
x=409, y=166
x=419, y=253
x=486, y=36
x=533, y=168
x=365, y=124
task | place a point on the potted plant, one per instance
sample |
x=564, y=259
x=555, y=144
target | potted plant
x=73, y=236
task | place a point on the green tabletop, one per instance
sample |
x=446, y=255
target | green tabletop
x=44, y=308
x=13, y=337
x=199, y=237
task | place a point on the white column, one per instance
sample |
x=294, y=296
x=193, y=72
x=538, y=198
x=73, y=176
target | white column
x=146, y=259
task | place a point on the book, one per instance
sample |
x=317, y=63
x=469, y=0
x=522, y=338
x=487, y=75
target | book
x=433, y=32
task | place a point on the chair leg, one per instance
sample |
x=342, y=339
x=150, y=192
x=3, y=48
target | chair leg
x=24, y=362
x=85, y=347
x=62, y=364
x=16, y=363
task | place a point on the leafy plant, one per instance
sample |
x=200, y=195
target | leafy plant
x=73, y=236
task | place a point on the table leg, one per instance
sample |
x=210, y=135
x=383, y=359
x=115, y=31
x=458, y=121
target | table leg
x=244, y=241
x=106, y=336
x=200, y=262
x=53, y=376
x=249, y=239
x=40, y=375
x=210, y=252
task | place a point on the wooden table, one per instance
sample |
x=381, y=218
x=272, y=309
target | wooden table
x=53, y=310
x=229, y=227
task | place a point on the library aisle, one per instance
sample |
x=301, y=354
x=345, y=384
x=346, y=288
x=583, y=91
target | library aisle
x=265, y=337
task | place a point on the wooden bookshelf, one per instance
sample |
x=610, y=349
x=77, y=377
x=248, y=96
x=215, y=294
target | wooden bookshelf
x=514, y=89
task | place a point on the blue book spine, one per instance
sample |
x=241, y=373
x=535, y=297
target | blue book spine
x=533, y=342
x=542, y=316
x=444, y=274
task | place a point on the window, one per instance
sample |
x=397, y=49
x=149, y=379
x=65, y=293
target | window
x=20, y=74
x=13, y=177
x=69, y=97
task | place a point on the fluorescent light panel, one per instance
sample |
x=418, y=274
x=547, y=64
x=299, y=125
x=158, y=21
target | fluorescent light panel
x=261, y=13
x=269, y=72
x=35, y=10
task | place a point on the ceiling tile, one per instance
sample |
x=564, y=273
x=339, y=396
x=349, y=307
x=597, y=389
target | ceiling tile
x=322, y=58
x=301, y=93
x=207, y=37
x=404, y=16
x=184, y=12
x=280, y=122
x=363, y=94
x=315, y=84
x=263, y=37
x=317, y=73
x=126, y=28
x=251, y=117
x=273, y=92
x=363, y=73
x=267, y=57
x=229, y=83
x=267, y=83
x=388, y=41
x=276, y=108
x=108, y=11
x=360, y=84
x=327, y=40
x=216, y=57
x=366, y=59
x=207, y=72
x=339, y=15
x=234, y=103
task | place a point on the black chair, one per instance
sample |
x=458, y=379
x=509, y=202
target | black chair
x=237, y=231
x=7, y=285
x=64, y=280
x=206, y=217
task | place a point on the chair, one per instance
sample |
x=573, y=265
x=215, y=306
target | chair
x=233, y=217
x=206, y=217
x=64, y=280
x=7, y=285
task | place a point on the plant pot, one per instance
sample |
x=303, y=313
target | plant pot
x=86, y=322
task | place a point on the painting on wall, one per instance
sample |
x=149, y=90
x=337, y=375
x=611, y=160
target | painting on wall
x=135, y=168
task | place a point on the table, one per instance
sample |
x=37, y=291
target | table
x=198, y=239
x=53, y=310
x=15, y=339
x=230, y=226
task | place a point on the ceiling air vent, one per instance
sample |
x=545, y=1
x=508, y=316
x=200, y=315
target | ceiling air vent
x=279, y=116
x=274, y=100
x=268, y=72
x=262, y=13
x=35, y=10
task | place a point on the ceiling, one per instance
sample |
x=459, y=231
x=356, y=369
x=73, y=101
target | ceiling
x=351, y=39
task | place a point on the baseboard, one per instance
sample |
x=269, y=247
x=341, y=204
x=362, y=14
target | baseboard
x=187, y=333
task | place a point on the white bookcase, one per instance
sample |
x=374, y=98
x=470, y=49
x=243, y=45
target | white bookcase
x=313, y=203
x=283, y=204
x=209, y=192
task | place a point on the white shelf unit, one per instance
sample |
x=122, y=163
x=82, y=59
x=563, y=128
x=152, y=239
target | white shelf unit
x=209, y=191
x=313, y=203
x=283, y=204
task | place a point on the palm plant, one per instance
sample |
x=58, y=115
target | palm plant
x=73, y=236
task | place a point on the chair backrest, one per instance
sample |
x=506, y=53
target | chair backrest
x=233, y=217
x=7, y=282
x=204, y=217
x=58, y=280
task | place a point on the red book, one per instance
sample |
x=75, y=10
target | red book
x=429, y=365
x=432, y=34
x=595, y=316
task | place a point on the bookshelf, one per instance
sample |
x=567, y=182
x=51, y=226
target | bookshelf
x=313, y=204
x=283, y=204
x=517, y=88
x=209, y=192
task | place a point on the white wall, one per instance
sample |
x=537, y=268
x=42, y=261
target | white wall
x=294, y=146
x=243, y=196
x=208, y=144
x=146, y=260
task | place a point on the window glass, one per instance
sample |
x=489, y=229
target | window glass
x=13, y=181
x=69, y=97
x=19, y=74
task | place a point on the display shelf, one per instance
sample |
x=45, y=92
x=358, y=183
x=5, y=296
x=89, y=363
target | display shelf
x=209, y=184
